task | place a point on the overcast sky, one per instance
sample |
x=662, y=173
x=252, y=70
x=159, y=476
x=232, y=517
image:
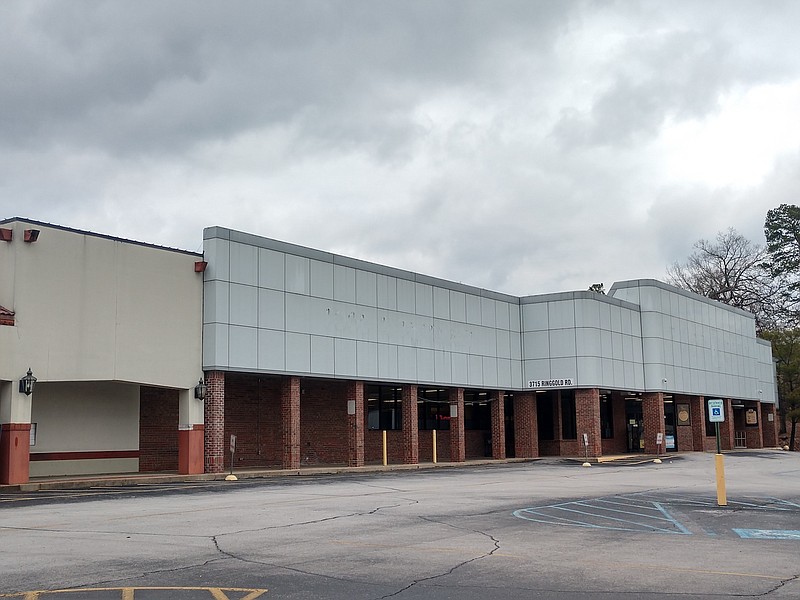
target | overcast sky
x=526, y=147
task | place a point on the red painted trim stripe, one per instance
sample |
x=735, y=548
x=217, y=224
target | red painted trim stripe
x=99, y=454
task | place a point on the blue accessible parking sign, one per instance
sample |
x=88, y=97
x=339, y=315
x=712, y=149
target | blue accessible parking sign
x=716, y=413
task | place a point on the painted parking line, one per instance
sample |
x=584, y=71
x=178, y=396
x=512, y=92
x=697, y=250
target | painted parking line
x=129, y=593
x=768, y=534
x=766, y=503
x=616, y=513
x=650, y=512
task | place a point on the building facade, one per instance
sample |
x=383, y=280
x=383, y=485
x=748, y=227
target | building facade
x=111, y=330
x=311, y=358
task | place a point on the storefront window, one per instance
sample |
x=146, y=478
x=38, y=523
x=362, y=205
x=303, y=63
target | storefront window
x=384, y=407
x=433, y=408
x=477, y=413
x=606, y=418
x=545, y=416
x=569, y=420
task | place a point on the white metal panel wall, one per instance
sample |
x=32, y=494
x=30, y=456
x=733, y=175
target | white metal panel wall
x=696, y=346
x=767, y=389
x=278, y=308
x=583, y=336
x=274, y=307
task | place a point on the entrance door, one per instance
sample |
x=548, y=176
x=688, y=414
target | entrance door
x=635, y=420
x=670, y=429
x=508, y=412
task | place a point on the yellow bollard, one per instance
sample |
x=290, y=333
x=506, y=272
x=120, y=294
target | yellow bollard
x=385, y=461
x=434, y=446
x=719, y=462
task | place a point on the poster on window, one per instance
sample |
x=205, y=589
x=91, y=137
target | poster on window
x=750, y=417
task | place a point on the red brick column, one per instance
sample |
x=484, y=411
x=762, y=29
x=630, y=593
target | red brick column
x=526, y=429
x=214, y=429
x=15, y=452
x=727, y=428
x=290, y=422
x=190, y=449
x=498, y=424
x=410, y=425
x=653, y=416
x=587, y=414
x=697, y=412
x=458, y=444
x=355, y=423
x=769, y=428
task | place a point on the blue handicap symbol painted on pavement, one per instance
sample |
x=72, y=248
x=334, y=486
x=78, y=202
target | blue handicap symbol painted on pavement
x=768, y=534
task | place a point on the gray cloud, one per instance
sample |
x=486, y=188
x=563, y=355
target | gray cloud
x=514, y=145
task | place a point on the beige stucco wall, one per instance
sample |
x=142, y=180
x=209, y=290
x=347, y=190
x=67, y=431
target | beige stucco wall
x=91, y=308
x=74, y=417
x=80, y=417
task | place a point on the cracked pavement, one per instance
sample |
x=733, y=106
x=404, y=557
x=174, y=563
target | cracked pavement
x=436, y=534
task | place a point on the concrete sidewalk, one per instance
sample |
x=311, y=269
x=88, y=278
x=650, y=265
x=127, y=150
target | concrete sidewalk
x=128, y=479
x=125, y=479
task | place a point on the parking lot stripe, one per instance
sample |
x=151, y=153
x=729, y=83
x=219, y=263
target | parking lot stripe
x=625, y=512
x=671, y=519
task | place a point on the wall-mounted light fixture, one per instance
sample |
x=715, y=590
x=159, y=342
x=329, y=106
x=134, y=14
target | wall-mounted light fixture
x=200, y=266
x=27, y=383
x=200, y=390
x=31, y=235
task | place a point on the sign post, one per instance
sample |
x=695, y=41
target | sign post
x=232, y=477
x=586, y=450
x=659, y=441
x=716, y=415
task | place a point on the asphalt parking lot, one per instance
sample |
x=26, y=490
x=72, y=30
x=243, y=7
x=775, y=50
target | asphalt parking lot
x=545, y=529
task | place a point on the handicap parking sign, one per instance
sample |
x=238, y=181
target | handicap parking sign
x=716, y=413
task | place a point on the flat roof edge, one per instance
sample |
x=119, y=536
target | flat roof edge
x=103, y=236
x=680, y=291
x=223, y=233
x=579, y=295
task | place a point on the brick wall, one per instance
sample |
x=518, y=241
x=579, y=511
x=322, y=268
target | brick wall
x=497, y=406
x=214, y=442
x=476, y=443
x=526, y=434
x=653, y=418
x=290, y=422
x=769, y=428
x=356, y=423
x=324, y=432
x=158, y=429
x=373, y=446
x=410, y=425
x=457, y=434
x=549, y=448
x=442, y=445
x=587, y=412
x=252, y=414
